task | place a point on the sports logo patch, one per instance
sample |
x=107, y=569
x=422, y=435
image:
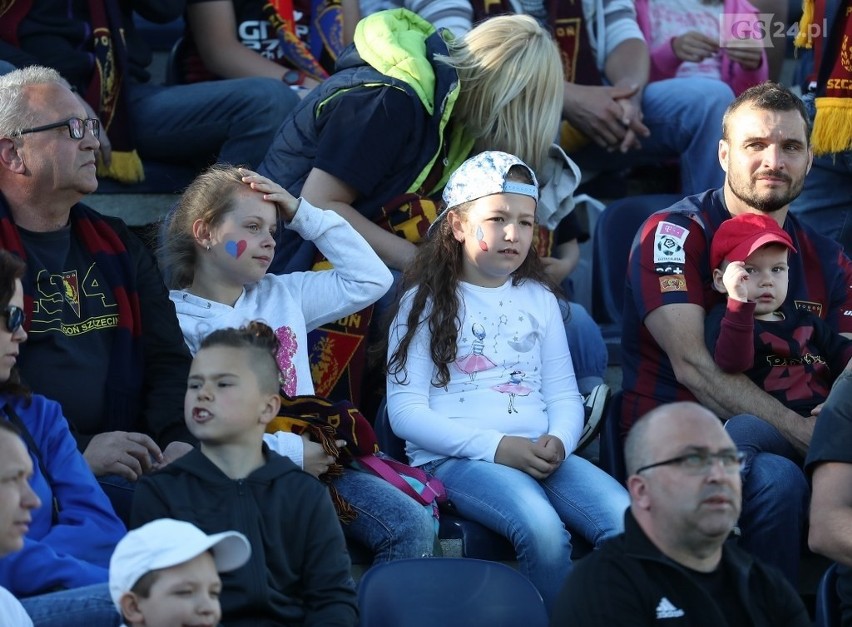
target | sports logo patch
x=669, y=240
x=672, y=283
x=809, y=305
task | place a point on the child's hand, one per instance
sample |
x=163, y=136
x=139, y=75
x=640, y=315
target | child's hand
x=694, y=47
x=525, y=455
x=314, y=458
x=272, y=192
x=748, y=58
x=735, y=278
x=554, y=450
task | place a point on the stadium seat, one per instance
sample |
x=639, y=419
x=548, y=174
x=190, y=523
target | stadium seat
x=448, y=592
x=827, y=612
x=613, y=237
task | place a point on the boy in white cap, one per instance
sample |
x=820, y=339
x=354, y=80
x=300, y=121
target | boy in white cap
x=166, y=573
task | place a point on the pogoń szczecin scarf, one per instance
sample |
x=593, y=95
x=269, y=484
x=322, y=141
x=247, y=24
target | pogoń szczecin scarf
x=106, y=92
x=826, y=26
x=122, y=396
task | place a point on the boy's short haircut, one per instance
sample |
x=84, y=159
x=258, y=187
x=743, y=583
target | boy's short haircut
x=165, y=543
x=737, y=238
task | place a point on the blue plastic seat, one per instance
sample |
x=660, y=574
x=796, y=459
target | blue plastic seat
x=827, y=612
x=613, y=237
x=448, y=592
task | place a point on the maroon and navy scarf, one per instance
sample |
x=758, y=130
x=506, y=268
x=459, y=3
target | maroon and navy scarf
x=107, y=89
x=122, y=402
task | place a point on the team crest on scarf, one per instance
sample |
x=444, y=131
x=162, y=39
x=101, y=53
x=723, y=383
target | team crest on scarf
x=105, y=56
x=71, y=290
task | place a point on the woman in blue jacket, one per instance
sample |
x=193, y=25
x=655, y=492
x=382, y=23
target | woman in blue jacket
x=72, y=535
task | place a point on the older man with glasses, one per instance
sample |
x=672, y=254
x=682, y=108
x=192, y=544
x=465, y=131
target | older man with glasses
x=673, y=561
x=104, y=337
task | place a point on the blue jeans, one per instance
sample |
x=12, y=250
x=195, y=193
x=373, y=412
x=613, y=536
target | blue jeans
x=389, y=522
x=533, y=514
x=684, y=116
x=824, y=202
x=233, y=119
x=588, y=350
x=91, y=606
x=775, y=495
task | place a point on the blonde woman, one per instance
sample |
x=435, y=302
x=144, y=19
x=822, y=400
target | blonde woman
x=407, y=105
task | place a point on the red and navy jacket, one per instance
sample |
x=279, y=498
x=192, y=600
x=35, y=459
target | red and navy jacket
x=670, y=264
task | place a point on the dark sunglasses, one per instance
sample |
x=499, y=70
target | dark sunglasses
x=15, y=318
x=76, y=127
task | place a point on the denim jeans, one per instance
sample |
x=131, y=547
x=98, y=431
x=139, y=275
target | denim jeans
x=90, y=606
x=588, y=350
x=233, y=120
x=775, y=495
x=389, y=522
x=534, y=514
x=684, y=116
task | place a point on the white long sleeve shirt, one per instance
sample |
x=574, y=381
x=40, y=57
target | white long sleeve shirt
x=295, y=303
x=512, y=376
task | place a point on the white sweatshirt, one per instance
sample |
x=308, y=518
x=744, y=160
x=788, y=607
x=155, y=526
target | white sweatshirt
x=512, y=376
x=295, y=303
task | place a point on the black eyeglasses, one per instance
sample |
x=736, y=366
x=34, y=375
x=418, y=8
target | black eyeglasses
x=76, y=127
x=15, y=318
x=701, y=463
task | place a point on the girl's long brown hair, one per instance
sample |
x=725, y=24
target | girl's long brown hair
x=433, y=276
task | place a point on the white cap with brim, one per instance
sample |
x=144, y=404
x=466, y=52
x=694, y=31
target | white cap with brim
x=166, y=542
x=483, y=175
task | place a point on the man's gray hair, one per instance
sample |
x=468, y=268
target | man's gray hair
x=15, y=112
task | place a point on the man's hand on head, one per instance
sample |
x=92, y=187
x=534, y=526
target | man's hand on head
x=122, y=453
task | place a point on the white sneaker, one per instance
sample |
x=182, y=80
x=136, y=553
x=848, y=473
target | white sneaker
x=595, y=405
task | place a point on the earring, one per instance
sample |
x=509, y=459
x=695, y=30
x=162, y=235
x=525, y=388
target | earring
x=208, y=248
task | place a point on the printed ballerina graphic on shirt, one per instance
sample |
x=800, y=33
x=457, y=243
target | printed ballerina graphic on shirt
x=475, y=361
x=514, y=388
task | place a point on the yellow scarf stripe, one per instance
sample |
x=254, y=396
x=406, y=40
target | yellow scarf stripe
x=803, y=38
x=125, y=167
x=832, y=126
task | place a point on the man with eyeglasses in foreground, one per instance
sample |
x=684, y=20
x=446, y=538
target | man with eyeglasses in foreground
x=104, y=337
x=672, y=565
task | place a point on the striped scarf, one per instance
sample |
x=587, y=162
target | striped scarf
x=832, y=132
x=326, y=33
x=122, y=402
x=107, y=88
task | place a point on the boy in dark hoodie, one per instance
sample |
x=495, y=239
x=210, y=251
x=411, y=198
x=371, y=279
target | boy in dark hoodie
x=299, y=571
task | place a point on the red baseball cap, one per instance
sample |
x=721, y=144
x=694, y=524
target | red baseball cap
x=740, y=236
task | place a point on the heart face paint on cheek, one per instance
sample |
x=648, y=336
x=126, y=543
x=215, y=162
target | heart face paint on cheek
x=235, y=249
x=480, y=237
